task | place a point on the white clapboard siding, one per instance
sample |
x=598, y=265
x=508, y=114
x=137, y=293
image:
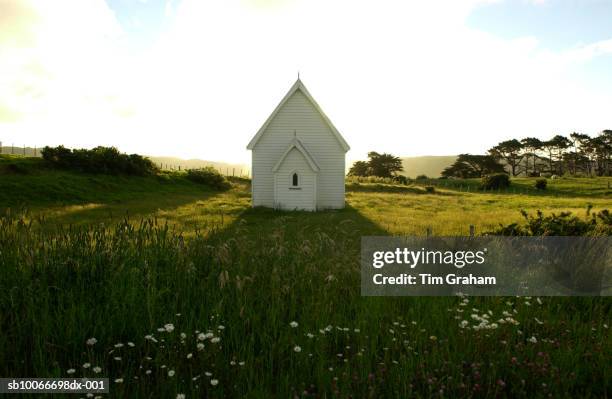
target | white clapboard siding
x=299, y=117
x=302, y=197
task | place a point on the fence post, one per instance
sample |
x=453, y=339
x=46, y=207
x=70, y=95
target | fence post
x=34, y=150
x=471, y=230
x=0, y=147
x=13, y=149
x=24, y=150
x=429, y=232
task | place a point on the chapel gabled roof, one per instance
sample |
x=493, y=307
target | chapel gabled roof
x=298, y=85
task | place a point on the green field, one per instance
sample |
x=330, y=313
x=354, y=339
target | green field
x=189, y=290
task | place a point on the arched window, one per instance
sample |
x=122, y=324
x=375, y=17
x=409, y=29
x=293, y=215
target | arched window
x=295, y=180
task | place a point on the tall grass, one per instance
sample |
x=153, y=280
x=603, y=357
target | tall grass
x=269, y=306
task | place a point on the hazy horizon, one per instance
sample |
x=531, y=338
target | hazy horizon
x=196, y=80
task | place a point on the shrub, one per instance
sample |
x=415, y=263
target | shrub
x=208, y=176
x=430, y=189
x=422, y=177
x=106, y=160
x=495, y=181
x=401, y=179
x=562, y=224
x=541, y=184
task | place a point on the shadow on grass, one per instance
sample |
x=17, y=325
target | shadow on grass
x=264, y=222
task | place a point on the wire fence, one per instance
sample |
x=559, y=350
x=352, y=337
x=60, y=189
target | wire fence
x=23, y=150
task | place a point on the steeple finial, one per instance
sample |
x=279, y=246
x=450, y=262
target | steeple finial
x=298, y=75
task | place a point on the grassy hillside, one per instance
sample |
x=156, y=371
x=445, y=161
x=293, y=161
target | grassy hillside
x=430, y=166
x=28, y=181
x=230, y=301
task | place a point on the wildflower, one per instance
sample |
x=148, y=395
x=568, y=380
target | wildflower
x=214, y=382
x=119, y=345
x=86, y=365
x=189, y=355
x=221, y=327
x=183, y=336
x=533, y=340
x=171, y=373
x=180, y=396
x=200, y=346
x=119, y=380
x=215, y=340
x=97, y=370
x=117, y=358
x=297, y=349
x=208, y=374
x=169, y=327
x=70, y=371
x=463, y=324
x=131, y=344
x=148, y=372
x=538, y=321
x=309, y=335
x=293, y=324
x=241, y=363
x=91, y=341
x=150, y=338
x=539, y=301
x=433, y=338
x=357, y=330
x=201, y=337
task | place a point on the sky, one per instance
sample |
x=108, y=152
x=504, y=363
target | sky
x=197, y=78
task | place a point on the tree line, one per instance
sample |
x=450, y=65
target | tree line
x=576, y=155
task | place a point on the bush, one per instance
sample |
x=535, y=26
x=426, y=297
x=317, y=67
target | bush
x=208, y=176
x=106, y=160
x=495, y=181
x=541, y=184
x=401, y=179
x=430, y=189
x=422, y=177
x=563, y=224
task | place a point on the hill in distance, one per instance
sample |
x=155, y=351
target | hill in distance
x=429, y=165
x=228, y=169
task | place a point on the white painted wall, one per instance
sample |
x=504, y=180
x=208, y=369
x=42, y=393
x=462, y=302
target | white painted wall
x=300, y=115
x=302, y=197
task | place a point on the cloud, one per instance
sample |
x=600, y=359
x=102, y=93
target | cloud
x=404, y=77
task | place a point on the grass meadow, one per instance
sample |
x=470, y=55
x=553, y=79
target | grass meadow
x=169, y=288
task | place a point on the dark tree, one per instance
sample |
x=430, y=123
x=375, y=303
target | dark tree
x=384, y=165
x=467, y=166
x=359, y=168
x=531, y=145
x=510, y=151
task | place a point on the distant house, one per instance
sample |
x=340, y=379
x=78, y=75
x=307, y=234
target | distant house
x=298, y=157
